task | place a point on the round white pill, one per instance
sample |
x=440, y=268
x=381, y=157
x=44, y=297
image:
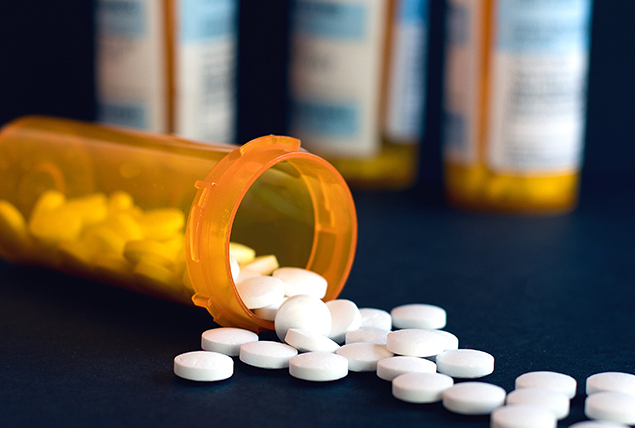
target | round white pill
x=554, y=401
x=390, y=368
x=309, y=341
x=597, y=424
x=203, y=366
x=367, y=334
x=549, y=380
x=611, y=406
x=301, y=281
x=465, y=363
x=306, y=312
x=269, y=312
x=416, y=342
x=345, y=317
x=363, y=356
x=266, y=354
x=376, y=318
x=611, y=381
x=260, y=291
x=420, y=387
x=226, y=340
x=418, y=315
x=522, y=416
x=318, y=366
x=473, y=398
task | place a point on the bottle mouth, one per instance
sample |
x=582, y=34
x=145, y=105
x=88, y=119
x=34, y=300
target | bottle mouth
x=278, y=199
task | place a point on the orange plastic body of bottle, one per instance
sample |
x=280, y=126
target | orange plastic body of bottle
x=110, y=204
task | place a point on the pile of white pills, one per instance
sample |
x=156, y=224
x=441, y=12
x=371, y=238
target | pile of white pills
x=322, y=342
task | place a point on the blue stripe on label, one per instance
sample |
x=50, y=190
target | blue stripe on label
x=328, y=19
x=131, y=116
x=327, y=119
x=207, y=19
x=122, y=18
x=413, y=11
x=544, y=26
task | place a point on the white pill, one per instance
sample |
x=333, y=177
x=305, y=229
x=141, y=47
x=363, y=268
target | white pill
x=269, y=312
x=203, y=366
x=245, y=274
x=226, y=340
x=345, y=317
x=318, y=366
x=368, y=334
x=267, y=354
x=301, y=281
x=421, y=387
x=611, y=406
x=416, y=342
x=309, y=341
x=611, y=381
x=549, y=380
x=473, y=398
x=376, y=318
x=522, y=416
x=390, y=368
x=554, y=401
x=418, y=315
x=234, y=267
x=262, y=264
x=363, y=356
x=465, y=363
x=306, y=312
x=260, y=291
x=597, y=424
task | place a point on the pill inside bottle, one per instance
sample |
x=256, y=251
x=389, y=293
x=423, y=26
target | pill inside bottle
x=157, y=213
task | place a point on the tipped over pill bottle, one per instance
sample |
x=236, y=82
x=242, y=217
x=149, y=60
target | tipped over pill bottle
x=156, y=213
x=357, y=86
x=515, y=103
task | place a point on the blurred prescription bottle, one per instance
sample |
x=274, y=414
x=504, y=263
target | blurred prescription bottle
x=168, y=66
x=111, y=205
x=515, y=103
x=356, y=85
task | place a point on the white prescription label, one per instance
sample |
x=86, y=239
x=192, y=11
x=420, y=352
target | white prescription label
x=406, y=86
x=335, y=72
x=130, y=64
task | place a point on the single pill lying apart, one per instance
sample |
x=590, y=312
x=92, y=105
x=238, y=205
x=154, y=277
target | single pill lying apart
x=363, y=356
x=226, y=340
x=554, y=401
x=301, y=281
x=473, y=398
x=318, y=366
x=549, y=380
x=611, y=381
x=305, y=312
x=203, y=366
x=416, y=342
x=260, y=291
x=267, y=354
x=418, y=315
x=345, y=317
x=420, y=387
x=611, y=406
x=597, y=424
x=522, y=416
x=390, y=368
x=375, y=318
x=368, y=334
x=465, y=363
x=309, y=341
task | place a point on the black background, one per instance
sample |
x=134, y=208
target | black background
x=539, y=293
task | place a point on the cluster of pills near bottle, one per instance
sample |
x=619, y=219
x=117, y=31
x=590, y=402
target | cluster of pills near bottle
x=324, y=341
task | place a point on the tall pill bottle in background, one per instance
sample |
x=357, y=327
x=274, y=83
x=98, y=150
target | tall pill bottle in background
x=515, y=103
x=168, y=66
x=356, y=85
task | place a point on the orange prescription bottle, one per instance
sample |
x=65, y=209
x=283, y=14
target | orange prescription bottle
x=356, y=85
x=515, y=103
x=111, y=205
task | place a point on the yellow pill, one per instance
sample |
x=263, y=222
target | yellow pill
x=13, y=235
x=125, y=225
x=92, y=208
x=162, y=224
x=112, y=264
x=103, y=239
x=241, y=253
x=120, y=201
x=262, y=264
x=75, y=253
x=56, y=225
x=150, y=251
x=49, y=200
x=155, y=274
